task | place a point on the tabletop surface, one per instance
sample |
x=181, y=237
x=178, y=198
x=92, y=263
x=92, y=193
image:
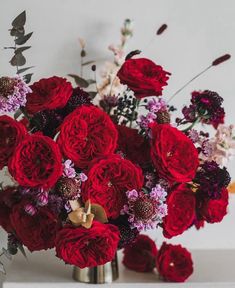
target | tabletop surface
x=212, y=268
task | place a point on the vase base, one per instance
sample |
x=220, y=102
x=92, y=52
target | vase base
x=106, y=273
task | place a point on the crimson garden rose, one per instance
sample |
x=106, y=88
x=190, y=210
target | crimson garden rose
x=109, y=179
x=181, y=205
x=48, y=94
x=213, y=210
x=140, y=255
x=86, y=133
x=87, y=247
x=12, y=133
x=173, y=153
x=174, y=263
x=37, y=162
x=36, y=232
x=143, y=77
x=132, y=145
x=8, y=198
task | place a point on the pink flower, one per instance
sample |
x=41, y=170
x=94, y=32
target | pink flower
x=68, y=170
x=145, y=211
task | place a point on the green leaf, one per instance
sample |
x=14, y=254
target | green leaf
x=79, y=81
x=91, y=81
x=21, y=248
x=28, y=77
x=24, y=69
x=6, y=254
x=21, y=49
x=2, y=269
x=18, y=60
x=92, y=94
x=17, y=32
x=88, y=62
x=22, y=40
x=18, y=112
x=20, y=20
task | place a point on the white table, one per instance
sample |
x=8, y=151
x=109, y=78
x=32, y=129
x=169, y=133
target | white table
x=212, y=268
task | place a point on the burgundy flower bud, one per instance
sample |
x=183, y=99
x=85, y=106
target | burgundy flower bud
x=161, y=29
x=221, y=59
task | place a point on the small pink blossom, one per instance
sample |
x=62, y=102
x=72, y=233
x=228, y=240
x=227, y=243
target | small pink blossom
x=68, y=170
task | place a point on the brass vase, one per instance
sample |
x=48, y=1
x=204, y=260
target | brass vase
x=101, y=274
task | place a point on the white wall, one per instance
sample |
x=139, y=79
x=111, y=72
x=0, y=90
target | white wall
x=199, y=31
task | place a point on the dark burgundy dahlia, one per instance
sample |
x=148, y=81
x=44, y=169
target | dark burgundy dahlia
x=206, y=106
x=212, y=179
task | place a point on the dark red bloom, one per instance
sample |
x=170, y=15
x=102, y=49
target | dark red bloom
x=87, y=247
x=212, y=179
x=141, y=254
x=213, y=210
x=48, y=94
x=78, y=98
x=8, y=197
x=108, y=181
x=134, y=146
x=143, y=77
x=206, y=106
x=86, y=133
x=173, y=153
x=181, y=204
x=174, y=263
x=36, y=232
x=36, y=162
x=12, y=133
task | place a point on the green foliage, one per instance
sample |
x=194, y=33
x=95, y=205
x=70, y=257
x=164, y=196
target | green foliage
x=20, y=38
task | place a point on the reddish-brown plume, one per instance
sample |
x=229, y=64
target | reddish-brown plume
x=161, y=29
x=221, y=59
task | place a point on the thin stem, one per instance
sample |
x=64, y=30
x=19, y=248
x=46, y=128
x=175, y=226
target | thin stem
x=192, y=125
x=81, y=66
x=17, y=67
x=190, y=81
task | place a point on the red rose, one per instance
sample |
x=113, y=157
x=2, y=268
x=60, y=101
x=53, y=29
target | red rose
x=181, y=205
x=50, y=93
x=87, y=247
x=134, y=146
x=87, y=133
x=140, y=255
x=7, y=199
x=36, y=162
x=214, y=210
x=143, y=77
x=108, y=181
x=173, y=153
x=12, y=133
x=36, y=232
x=174, y=263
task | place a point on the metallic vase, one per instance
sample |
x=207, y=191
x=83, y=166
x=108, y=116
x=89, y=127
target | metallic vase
x=106, y=273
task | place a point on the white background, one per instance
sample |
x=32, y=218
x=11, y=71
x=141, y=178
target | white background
x=199, y=31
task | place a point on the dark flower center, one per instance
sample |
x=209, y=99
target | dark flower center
x=6, y=86
x=144, y=209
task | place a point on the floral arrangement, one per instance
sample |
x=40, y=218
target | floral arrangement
x=93, y=169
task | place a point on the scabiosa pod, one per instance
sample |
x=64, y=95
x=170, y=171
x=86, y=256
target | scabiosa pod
x=13, y=91
x=146, y=211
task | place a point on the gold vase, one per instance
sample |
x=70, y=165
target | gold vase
x=101, y=274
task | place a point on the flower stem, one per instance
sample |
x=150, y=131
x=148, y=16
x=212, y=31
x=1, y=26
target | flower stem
x=190, y=81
